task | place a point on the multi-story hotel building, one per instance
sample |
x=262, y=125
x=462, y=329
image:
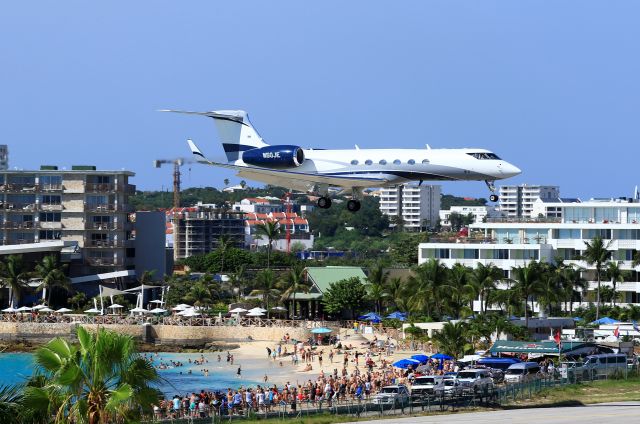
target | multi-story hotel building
x=562, y=230
x=516, y=201
x=417, y=205
x=81, y=207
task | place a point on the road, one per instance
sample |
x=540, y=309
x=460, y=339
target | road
x=589, y=414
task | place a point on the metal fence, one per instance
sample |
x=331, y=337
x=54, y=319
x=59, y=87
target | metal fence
x=468, y=397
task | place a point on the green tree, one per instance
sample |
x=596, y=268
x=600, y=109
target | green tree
x=267, y=286
x=271, y=230
x=597, y=253
x=377, y=286
x=226, y=182
x=403, y=248
x=14, y=275
x=527, y=283
x=52, y=276
x=616, y=275
x=77, y=300
x=224, y=243
x=453, y=339
x=426, y=285
x=199, y=294
x=483, y=281
x=294, y=282
x=345, y=295
x=10, y=405
x=571, y=284
x=100, y=380
x=237, y=280
x=147, y=277
x=458, y=291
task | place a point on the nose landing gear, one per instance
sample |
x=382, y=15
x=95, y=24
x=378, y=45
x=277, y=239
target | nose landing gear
x=492, y=188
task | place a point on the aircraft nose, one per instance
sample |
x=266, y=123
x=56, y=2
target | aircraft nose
x=509, y=170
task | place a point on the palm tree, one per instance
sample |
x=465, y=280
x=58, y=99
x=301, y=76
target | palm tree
x=51, y=277
x=395, y=290
x=425, y=285
x=267, y=286
x=146, y=277
x=571, y=280
x=14, y=275
x=271, y=230
x=597, y=253
x=10, y=399
x=226, y=182
x=236, y=279
x=527, y=283
x=100, y=380
x=483, y=279
x=224, y=243
x=199, y=294
x=616, y=275
x=295, y=282
x=458, y=291
x=452, y=339
x=376, y=287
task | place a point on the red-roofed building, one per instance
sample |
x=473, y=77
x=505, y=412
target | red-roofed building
x=298, y=229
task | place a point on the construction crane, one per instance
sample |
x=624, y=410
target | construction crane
x=177, y=163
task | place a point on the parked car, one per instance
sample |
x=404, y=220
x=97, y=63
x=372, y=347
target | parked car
x=425, y=385
x=397, y=394
x=449, y=387
x=476, y=379
x=603, y=364
x=522, y=372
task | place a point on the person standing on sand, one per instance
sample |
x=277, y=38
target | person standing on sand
x=239, y=373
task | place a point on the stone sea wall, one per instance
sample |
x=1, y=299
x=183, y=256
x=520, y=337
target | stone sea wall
x=159, y=334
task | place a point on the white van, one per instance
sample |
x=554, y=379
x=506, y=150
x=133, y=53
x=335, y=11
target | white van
x=604, y=364
x=522, y=372
x=476, y=379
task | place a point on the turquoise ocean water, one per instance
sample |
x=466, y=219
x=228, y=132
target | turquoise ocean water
x=15, y=368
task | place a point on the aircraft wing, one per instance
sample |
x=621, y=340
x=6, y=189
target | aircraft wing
x=289, y=178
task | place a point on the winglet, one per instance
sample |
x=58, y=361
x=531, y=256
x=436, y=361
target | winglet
x=195, y=151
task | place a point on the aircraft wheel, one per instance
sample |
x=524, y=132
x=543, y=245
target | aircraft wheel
x=494, y=198
x=324, y=202
x=353, y=205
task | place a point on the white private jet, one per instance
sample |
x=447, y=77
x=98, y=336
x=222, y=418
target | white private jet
x=315, y=170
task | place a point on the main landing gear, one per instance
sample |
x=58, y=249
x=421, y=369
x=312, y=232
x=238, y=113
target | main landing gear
x=324, y=202
x=492, y=187
x=353, y=205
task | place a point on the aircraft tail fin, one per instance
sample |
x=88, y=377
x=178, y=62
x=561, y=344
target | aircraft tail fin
x=236, y=132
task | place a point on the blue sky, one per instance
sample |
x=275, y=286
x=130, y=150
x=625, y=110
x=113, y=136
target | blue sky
x=553, y=87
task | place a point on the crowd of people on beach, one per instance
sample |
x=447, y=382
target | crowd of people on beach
x=357, y=373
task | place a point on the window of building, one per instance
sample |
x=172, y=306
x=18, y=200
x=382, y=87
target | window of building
x=131, y=252
x=49, y=216
x=354, y=162
x=471, y=254
x=368, y=162
x=530, y=254
x=50, y=181
x=382, y=162
x=101, y=219
x=397, y=162
x=51, y=199
x=604, y=233
x=49, y=235
x=501, y=254
x=103, y=179
x=442, y=253
x=411, y=162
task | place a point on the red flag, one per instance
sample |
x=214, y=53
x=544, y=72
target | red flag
x=556, y=337
x=616, y=332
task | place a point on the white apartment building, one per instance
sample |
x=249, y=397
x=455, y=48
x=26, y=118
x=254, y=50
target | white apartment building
x=516, y=201
x=561, y=232
x=4, y=157
x=479, y=213
x=418, y=205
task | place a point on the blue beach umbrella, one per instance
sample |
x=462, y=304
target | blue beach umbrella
x=371, y=316
x=406, y=363
x=441, y=356
x=398, y=315
x=420, y=357
x=321, y=330
x=605, y=321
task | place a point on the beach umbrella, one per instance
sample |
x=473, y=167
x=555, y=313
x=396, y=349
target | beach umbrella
x=24, y=309
x=156, y=301
x=258, y=309
x=158, y=311
x=420, y=357
x=63, y=310
x=406, y=363
x=93, y=311
x=38, y=307
x=255, y=314
x=115, y=306
x=371, y=316
x=45, y=309
x=237, y=311
x=181, y=307
x=9, y=309
x=441, y=356
x=139, y=310
x=398, y=315
x=605, y=321
x=189, y=313
x=278, y=308
x=321, y=330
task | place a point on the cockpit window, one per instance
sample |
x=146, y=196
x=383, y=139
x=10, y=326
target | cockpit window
x=484, y=156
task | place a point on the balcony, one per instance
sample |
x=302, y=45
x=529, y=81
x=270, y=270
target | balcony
x=51, y=207
x=19, y=207
x=50, y=187
x=50, y=225
x=105, y=244
x=543, y=220
x=9, y=225
x=20, y=188
x=107, y=226
x=101, y=188
x=108, y=208
x=104, y=262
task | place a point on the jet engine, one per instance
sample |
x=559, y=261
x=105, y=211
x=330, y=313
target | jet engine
x=275, y=157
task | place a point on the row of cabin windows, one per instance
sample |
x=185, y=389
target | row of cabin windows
x=384, y=162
